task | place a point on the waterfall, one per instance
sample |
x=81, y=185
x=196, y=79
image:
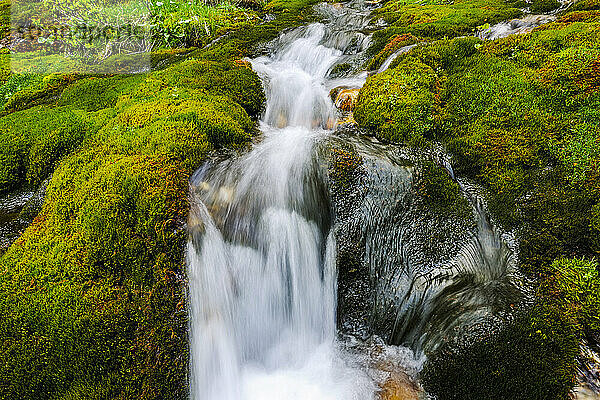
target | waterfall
x=261, y=256
x=267, y=234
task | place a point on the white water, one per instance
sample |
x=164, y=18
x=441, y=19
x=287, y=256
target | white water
x=262, y=259
x=515, y=26
x=386, y=64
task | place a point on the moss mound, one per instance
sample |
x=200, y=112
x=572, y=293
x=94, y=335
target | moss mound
x=93, y=292
x=102, y=314
x=97, y=93
x=237, y=81
x=531, y=358
x=399, y=104
x=90, y=291
x=32, y=141
x=434, y=19
x=544, y=6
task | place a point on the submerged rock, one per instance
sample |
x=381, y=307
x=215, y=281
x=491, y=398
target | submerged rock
x=345, y=99
x=399, y=386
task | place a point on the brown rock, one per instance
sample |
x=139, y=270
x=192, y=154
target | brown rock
x=399, y=387
x=346, y=99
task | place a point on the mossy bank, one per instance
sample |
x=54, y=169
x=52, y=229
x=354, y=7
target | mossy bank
x=93, y=291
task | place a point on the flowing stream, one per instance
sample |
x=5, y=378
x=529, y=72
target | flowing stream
x=268, y=239
x=262, y=255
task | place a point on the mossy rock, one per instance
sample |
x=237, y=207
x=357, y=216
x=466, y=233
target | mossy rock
x=96, y=93
x=237, y=81
x=544, y=6
x=393, y=45
x=90, y=291
x=582, y=5
x=220, y=120
x=399, y=104
x=93, y=293
x=340, y=70
x=32, y=141
x=531, y=357
x=103, y=260
x=437, y=19
x=345, y=168
x=442, y=55
x=36, y=90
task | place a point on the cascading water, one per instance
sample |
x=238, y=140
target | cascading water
x=269, y=234
x=262, y=257
x=415, y=272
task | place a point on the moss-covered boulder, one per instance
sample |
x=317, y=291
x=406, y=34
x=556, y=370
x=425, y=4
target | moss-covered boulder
x=98, y=92
x=236, y=80
x=93, y=292
x=32, y=141
x=399, y=104
x=394, y=44
x=23, y=91
x=531, y=357
x=434, y=19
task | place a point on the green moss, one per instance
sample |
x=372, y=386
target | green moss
x=39, y=62
x=532, y=357
x=574, y=285
x=90, y=291
x=443, y=55
x=4, y=18
x=582, y=5
x=96, y=93
x=32, y=141
x=556, y=223
x=574, y=70
x=237, y=81
x=32, y=90
x=184, y=129
x=440, y=192
x=394, y=44
x=340, y=70
x=436, y=19
x=5, y=70
x=544, y=6
x=399, y=104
